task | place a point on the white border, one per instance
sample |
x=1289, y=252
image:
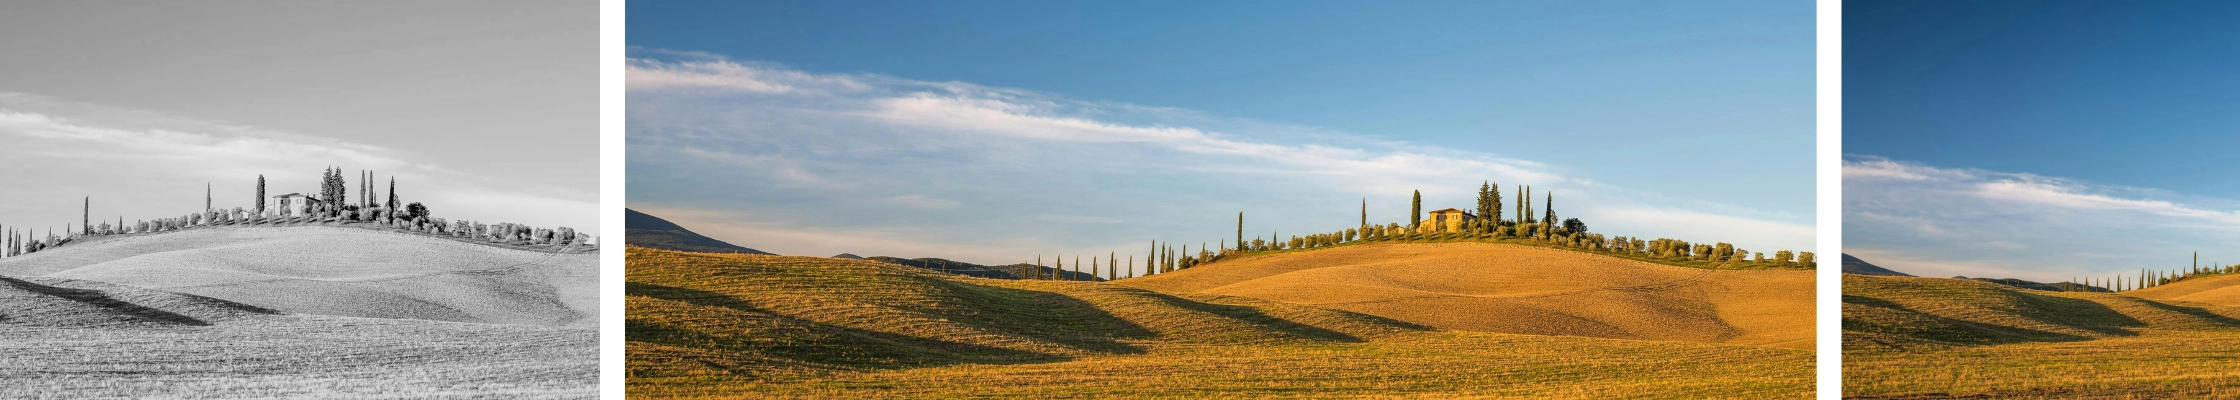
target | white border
x=1828, y=304
x=611, y=79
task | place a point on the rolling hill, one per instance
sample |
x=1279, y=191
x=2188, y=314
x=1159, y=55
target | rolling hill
x=779, y=326
x=643, y=230
x=2220, y=290
x=307, y=311
x=1488, y=287
x=1907, y=337
x=1854, y=265
x=352, y=272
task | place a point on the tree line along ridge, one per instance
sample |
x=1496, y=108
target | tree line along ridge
x=332, y=204
x=1487, y=224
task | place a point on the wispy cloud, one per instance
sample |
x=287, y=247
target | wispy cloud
x=142, y=165
x=1988, y=223
x=1013, y=162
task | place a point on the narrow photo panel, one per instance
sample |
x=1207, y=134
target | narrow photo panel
x=2038, y=199
x=1222, y=199
x=280, y=199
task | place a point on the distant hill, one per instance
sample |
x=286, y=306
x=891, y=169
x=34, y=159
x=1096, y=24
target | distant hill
x=1504, y=288
x=642, y=230
x=1010, y=271
x=1854, y=265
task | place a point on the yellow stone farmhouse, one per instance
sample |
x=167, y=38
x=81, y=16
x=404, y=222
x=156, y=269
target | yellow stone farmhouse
x=1447, y=220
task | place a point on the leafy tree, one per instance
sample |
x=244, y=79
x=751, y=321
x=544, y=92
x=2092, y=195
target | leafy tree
x=1573, y=225
x=415, y=211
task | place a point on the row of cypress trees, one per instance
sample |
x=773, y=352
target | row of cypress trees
x=2148, y=278
x=331, y=207
x=1488, y=222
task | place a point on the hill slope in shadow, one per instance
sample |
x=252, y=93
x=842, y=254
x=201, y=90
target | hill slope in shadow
x=644, y=230
x=1854, y=265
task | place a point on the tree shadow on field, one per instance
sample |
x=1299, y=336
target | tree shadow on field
x=102, y=300
x=1043, y=316
x=2076, y=313
x=1929, y=327
x=753, y=332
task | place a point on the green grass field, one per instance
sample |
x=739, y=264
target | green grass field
x=707, y=325
x=1910, y=337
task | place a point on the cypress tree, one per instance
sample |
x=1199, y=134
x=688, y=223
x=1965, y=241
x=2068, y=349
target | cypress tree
x=89, y=215
x=1551, y=206
x=1150, y=262
x=260, y=194
x=1364, y=220
x=1520, y=205
x=1483, y=203
x=1415, y=210
x=1527, y=217
x=1493, y=211
x=1240, y=229
x=1056, y=273
x=392, y=206
x=1131, y=265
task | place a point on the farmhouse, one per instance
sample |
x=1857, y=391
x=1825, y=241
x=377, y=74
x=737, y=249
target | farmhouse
x=1448, y=219
x=293, y=204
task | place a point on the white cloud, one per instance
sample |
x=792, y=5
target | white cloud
x=2000, y=224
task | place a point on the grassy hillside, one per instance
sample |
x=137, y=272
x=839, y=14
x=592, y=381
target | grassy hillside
x=2222, y=290
x=1908, y=337
x=719, y=324
x=1489, y=287
x=338, y=271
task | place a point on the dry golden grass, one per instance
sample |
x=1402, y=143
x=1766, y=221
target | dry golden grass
x=2223, y=290
x=1910, y=337
x=707, y=325
x=1489, y=287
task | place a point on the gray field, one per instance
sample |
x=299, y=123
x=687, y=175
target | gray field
x=295, y=312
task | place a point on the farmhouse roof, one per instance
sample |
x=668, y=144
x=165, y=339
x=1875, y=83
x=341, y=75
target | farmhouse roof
x=1448, y=209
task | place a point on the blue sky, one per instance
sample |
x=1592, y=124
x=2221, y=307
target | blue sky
x=1665, y=116
x=2062, y=138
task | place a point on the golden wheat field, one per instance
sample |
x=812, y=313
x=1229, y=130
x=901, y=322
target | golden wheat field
x=1489, y=287
x=1907, y=337
x=709, y=325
